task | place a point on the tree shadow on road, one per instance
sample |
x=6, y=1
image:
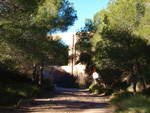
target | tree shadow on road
x=62, y=100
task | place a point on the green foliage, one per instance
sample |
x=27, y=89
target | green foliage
x=82, y=86
x=121, y=43
x=95, y=88
x=47, y=85
x=127, y=102
x=84, y=46
x=122, y=51
x=15, y=87
x=67, y=81
x=23, y=29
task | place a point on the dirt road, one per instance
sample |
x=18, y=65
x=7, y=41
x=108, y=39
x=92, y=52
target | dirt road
x=64, y=101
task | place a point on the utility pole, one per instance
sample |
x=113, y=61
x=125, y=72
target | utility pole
x=72, y=55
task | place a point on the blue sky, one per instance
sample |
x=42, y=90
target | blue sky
x=86, y=9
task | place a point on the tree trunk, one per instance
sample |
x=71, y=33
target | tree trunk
x=143, y=83
x=134, y=87
x=40, y=75
x=34, y=72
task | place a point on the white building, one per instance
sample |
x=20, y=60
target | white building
x=74, y=69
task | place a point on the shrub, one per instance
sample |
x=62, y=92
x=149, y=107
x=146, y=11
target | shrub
x=67, y=81
x=120, y=86
x=128, y=102
x=14, y=87
x=47, y=85
x=96, y=88
x=81, y=86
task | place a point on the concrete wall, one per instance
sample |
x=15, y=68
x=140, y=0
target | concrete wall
x=55, y=72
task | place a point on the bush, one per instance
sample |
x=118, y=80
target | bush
x=96, y=88
x=14, y=87
x=47, y=85
x=67, y=81
x=81, y=86
x=12, y=93
x=120, y=86
x=128, y=102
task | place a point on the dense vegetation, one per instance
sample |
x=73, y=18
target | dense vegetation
x=129, y=102
x=24, y=44
x=14, y=88
x=117, y=44
x=23, y=32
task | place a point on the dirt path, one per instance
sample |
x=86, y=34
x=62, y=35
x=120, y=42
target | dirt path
x=65, y=101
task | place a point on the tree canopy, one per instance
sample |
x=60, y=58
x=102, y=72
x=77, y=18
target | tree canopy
x=121, y=42
x=24, y=25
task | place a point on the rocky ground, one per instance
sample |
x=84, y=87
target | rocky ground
x=64, y=100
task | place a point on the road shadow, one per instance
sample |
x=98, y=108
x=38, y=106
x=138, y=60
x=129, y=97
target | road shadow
x=62, y=99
